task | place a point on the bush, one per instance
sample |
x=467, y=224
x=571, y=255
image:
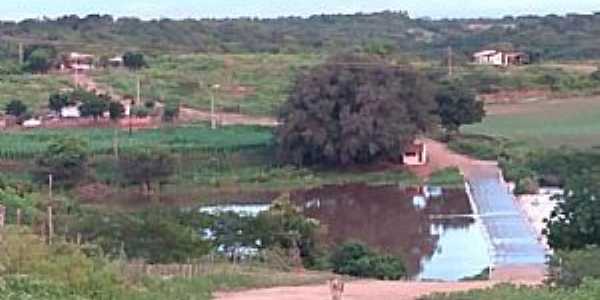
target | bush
x=140, y=111
x=358, y=260
x=569, y=268
x=526, y=185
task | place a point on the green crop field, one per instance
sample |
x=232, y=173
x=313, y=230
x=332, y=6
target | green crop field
x=28, y=144
x=573, y=122
x=254, y=84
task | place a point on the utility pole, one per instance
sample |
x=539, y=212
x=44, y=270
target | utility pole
x=50, y=182
x=21, y=54
x=450, y=62
x=50, y=226
x=213, y=119
x=138, y=98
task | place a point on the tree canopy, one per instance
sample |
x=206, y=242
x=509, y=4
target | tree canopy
x=91, y=104
x=457, y=106
x=57, y=101
x=146, y=167
x=16, y=108
x=66, y=159
x=134, y=60
x=574, y=222
x=354, y=109
x=116, y=110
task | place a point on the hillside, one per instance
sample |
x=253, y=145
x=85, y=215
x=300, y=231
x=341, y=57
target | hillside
x=549, y=37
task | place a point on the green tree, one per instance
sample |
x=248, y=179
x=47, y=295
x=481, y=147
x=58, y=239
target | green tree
x=93, y=106
x=134, y=60
x=116, y=110
x=356, y=259
x=39, y=60
x=57, y=101
x=457, y=106
x=16, y=108
x=66, y=159
x=354, y=109
x=170, y=112
x=146, y=167
x=574, y=222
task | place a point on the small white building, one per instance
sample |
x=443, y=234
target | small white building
x=500, y=58
x=78, y=61
x=488, y=57
x=415, y=154
x=116, y=61
x=70, y=112
x=32, y=123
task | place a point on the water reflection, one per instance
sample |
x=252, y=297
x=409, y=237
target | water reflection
x=430, y=230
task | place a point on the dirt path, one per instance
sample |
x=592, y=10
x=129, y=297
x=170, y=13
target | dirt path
x=187, y=114
x=357, y=290
x=440, y=157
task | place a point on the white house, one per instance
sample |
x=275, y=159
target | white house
x=78, y=61
x=488, y=57
x=500, y=58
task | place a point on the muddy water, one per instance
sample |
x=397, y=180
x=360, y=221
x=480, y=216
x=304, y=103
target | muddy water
x=435, y=235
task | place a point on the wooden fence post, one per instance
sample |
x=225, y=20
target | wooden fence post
x=2, y=216
x=2, y=220
x=18, y=217
x=50, y=226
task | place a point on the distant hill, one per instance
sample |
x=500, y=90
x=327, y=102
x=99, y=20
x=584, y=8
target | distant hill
x=548, y=37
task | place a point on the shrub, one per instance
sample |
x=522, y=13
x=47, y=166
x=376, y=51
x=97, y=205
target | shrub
x=569, y=268
x=358, y=260
x=140, y=111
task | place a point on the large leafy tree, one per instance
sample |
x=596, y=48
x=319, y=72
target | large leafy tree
x=146, y=167
x=66, y=159
x=39, y=58
x=457, y=106
x=574, y=223
x=91, y=104
x=354, y=109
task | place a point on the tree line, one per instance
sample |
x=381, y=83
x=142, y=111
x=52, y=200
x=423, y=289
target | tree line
x=556, y=37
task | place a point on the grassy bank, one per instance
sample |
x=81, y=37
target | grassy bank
x=34, y=270
x=590, y=290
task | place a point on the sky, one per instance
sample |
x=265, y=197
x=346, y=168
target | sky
x=178, y=9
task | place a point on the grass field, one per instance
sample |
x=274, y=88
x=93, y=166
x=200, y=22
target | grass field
x=254, y=84
x=33, y=90
x=573, y=122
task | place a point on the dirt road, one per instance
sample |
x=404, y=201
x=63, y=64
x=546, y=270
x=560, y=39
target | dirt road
x=187, y=114
x=357, y=290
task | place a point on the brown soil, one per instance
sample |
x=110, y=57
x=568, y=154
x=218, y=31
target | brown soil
x=188, y=115
x=380, y=290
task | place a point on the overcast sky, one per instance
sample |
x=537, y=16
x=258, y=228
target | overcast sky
x=176, y=9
